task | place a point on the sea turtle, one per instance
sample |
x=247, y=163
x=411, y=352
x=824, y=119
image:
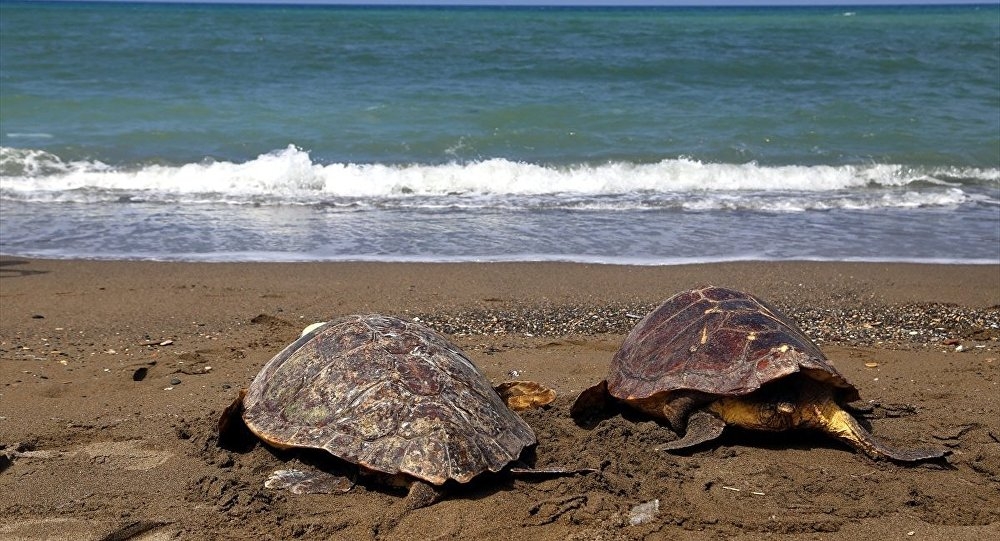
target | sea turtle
x=712, y=357
x=391, y=396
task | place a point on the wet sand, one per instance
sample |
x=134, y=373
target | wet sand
x=113, y=375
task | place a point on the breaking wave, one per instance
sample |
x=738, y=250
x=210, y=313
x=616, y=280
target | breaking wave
x=290, y=177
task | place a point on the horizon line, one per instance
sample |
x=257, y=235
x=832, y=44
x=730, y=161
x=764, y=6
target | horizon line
x=551, y=3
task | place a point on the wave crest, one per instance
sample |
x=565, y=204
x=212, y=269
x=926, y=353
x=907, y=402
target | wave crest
x=290, y=176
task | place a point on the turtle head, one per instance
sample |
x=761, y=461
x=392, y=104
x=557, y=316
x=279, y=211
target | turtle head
x=784, y=407
x=781, y=413
x=772, y=412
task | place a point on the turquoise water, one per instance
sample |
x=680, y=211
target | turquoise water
x=596, y=134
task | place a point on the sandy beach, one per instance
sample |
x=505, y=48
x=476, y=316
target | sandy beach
x=113, y=376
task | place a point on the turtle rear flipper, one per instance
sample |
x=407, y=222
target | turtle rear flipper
x=846, y=428
x=702, y=426
x=309, y=482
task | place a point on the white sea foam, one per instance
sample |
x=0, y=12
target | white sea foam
x=300, y=257
x=290, y=176
x=30, y=135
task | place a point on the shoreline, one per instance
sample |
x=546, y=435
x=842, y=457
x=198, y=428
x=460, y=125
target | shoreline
x=113, y=375
x=521, y=258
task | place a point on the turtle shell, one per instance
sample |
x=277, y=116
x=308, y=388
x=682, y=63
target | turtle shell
x=389, y=395
x=715, y=341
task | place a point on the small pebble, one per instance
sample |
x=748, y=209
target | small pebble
x=644, y=512
x=175, y=381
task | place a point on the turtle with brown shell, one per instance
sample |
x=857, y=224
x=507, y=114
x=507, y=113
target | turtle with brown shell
x=713, y=357
x=392, y=397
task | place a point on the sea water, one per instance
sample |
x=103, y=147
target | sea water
x=608, y=135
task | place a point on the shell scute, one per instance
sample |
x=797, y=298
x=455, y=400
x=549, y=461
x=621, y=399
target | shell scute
x=373, y=421
x=419, y=376
x=388, y=395
x=421, y=454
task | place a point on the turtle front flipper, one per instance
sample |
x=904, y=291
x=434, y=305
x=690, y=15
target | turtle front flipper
x=837, y=422
x=702, y=426
x=420, y=495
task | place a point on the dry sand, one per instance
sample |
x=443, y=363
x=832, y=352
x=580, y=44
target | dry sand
x=113, y=375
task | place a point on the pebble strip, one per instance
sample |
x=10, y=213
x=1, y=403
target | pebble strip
x=915, y=325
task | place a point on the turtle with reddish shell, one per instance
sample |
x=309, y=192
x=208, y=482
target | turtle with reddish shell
x=712, y=357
